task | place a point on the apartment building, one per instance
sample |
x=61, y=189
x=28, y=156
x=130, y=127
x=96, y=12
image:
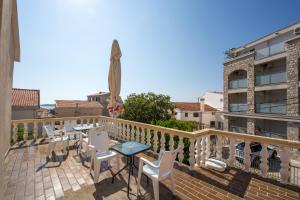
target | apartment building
x=261, y=85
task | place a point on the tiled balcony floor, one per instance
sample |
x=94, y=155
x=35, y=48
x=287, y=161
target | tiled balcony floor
x=29, y=176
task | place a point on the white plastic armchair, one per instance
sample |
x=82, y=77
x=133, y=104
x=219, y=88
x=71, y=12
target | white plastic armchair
x=55, y=136
x=158, y=170
x=69, y=128
x=99, y=147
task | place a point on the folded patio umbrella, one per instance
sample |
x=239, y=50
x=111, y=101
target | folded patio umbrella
x=114, y=78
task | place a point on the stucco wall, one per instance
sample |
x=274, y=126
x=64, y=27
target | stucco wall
x=72, y=112
x=6, y=68
x=29, y=113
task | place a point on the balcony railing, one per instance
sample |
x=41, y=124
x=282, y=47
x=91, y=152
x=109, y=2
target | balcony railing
x=194, y=147
x=238, y=107
x=235, y=84
x=275, y=108
x=270, y=79
x=238, y=129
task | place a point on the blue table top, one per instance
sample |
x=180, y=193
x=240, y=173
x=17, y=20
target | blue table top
x=130, y=148
x=83, y=127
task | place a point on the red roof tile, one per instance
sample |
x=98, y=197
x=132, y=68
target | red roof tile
x=193, y=106
x=25, y=97
x=77, y=103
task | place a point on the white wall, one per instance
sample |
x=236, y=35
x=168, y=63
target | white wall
x=7, y=57
x=213, y=99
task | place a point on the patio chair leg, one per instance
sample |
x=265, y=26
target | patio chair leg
x=156, y=189
x=96, y=170
x=173, y=183
x=51, y=147
x=139, y=178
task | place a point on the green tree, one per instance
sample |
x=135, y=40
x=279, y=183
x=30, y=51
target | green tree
x=178, y=124
x=147, y=107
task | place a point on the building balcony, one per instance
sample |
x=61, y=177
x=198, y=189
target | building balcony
x=269, y=79
x=238, y=107
x=273, y=108
x=236, y=84
x=29, y=175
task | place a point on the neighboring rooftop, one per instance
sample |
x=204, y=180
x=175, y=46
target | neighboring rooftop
x=25, y=97
x=193, y=106
x=98, y=94
x=77, y=103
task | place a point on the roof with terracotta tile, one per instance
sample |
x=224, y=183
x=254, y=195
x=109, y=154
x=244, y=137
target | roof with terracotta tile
x=25, y=97
x=193, y=106
x=77, y=103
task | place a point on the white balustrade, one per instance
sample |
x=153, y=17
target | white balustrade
x=198, y=151
x=180, y=150
x=203, y=151
x=207, y=149
x=285, y=164
x=155, y=140
x=247, y=156
x=171, y=143
x=264, y=155
x=15, y=132
x=148, y=137
x=219, y=147
x=231, y=158
x=25, y=134
x=162, y=141
x=192, y=153
x=35, y=130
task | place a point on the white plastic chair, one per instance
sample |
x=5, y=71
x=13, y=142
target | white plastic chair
x=55, y=136
x=68, y=127
x=158, y=170
x=99, y=146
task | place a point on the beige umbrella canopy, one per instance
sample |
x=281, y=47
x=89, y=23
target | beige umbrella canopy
x=114, y=78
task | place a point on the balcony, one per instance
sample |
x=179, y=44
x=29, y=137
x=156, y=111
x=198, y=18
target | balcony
x=274, y=108
x=238, y=107
x=268, y=79
x=235, y=84
x=29, y=175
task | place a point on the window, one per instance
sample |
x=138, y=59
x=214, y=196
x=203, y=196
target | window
x=196, y=114
x=212, y=124
x=186, y=114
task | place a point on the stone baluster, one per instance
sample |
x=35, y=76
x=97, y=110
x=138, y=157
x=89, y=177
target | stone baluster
x=180, y=150
x=264, y=155
x=137, y=134
x=81, y=121
x=247, y=156
x=198, y=151
x=43, y=131
x=143, y=136
x=285, y=164
x=192, y=153
x=207, y=149
x=94, y=122
x=203, y=151
x=35, y=130
x=162, y=141
x=219, y=147
x=155, y=141
x=148, y=136
x=25, y=134
x=127, y=132
x=231, y=157
x=171, y=144
x=132, y=133
x=61, y=124
x=52, y=124
x=15, y=132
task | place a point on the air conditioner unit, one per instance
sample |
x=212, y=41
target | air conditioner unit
x=297, y=31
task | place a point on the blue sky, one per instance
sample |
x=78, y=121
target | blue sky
x=171, y=47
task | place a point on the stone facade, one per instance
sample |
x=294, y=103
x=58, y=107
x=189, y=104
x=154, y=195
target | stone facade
x=251, y=126
x=9, y=52
x=293, y=55
x=245, y=63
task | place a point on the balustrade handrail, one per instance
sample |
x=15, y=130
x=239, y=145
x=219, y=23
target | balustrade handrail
x=192, y=135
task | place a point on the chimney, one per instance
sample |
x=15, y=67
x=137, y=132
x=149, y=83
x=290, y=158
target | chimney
x=202, y=104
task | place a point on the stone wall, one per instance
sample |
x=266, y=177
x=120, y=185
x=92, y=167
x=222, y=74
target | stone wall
x=293, y=57
x=293, y=52
x=245, y=63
